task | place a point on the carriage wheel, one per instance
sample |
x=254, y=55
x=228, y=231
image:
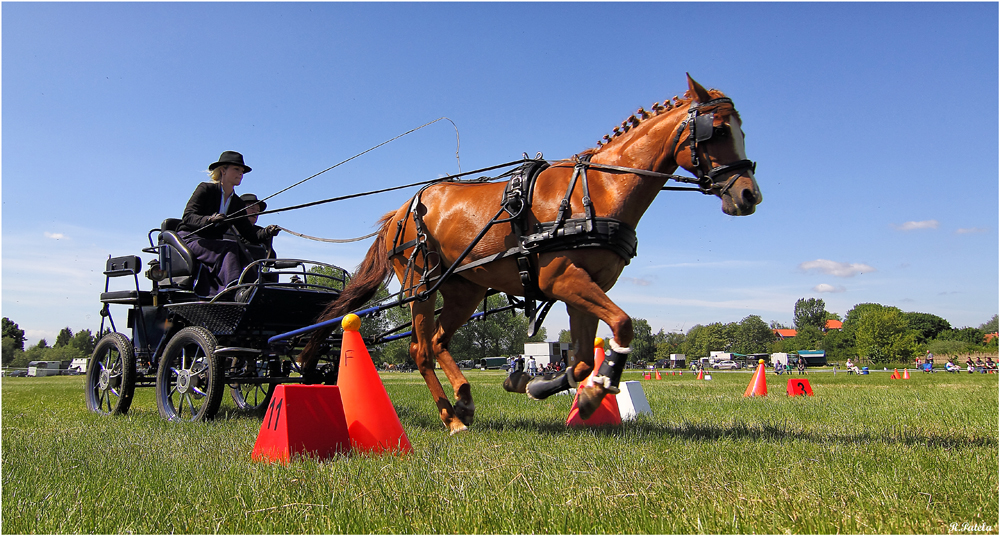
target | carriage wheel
x=189, y=379
x=253, y=397
x=111, y=376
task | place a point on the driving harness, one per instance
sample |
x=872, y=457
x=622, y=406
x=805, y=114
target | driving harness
x=564, y=233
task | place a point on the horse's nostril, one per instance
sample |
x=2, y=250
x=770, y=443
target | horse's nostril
x=749, y=197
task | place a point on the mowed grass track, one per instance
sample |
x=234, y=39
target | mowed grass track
x=864, y=455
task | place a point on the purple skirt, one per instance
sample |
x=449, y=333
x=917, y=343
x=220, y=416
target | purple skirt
x=222, y=262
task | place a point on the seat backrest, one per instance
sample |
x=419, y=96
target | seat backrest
x=170, y=224
x=176, y=259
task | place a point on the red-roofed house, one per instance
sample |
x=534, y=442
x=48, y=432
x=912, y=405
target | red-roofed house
x=785, y=333
x=990, y=336
x=833, y=324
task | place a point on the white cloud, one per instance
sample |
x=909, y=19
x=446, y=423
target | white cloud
x=838, y=269
x=915, y=225
x=824, y=287
x=638, y=281
x=971, y=230
x=55, y=236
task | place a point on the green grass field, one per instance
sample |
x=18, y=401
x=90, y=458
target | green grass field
x=866, y=454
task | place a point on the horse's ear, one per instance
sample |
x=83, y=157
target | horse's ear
x=699, y=93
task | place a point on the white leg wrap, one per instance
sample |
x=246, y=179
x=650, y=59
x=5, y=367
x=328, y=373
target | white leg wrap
x=618, y=349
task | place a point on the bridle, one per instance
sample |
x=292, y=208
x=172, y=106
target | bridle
x=701, y=128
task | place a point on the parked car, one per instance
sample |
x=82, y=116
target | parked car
x=17, y=373
x=728, y=364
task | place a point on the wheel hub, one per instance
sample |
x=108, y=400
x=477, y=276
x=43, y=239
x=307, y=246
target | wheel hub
x=104, y=380
x=183, y=381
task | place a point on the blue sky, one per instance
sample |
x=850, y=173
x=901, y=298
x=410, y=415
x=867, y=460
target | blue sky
x=874, y=127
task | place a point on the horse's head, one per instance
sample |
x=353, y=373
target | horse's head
x=713, y=151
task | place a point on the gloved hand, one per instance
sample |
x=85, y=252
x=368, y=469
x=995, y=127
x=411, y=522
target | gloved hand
x=272, y=230
x=216, y=218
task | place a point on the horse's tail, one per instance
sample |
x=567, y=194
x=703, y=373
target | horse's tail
x=368, y=277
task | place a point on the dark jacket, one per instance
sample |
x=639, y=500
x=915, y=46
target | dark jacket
x=205, y=202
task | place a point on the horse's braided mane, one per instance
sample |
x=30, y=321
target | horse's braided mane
x=641, y=115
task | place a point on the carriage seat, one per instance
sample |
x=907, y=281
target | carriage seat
x=176, y=259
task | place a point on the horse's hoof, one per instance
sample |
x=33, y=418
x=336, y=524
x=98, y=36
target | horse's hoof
x=588, y=400
x=540, y=388
x=516, y=382
x=465, y=412
x=457, y=429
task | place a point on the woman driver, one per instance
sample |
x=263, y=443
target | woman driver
x=203, y=224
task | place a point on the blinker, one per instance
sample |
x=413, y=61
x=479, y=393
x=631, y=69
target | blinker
x=703, y=127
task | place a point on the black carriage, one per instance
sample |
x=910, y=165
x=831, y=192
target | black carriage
x=191, y=348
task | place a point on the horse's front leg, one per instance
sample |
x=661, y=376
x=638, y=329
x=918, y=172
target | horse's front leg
x=575, y=287
x=461, y=297
x=422, y=352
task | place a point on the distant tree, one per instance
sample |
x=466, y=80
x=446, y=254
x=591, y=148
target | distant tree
x=752, y=336
x=969, y=336
x=64, y=337
x=493, y=335
x=10, y=351
x=809, y=312
x=926, y=326
x=322, y=281
x=990, y=326
x=668, y=343
x=778, y=325
x=808, y=337
x=15, y=333
x=838, y=345
x=565, y=335
x=84, y=341
x=881, y=334
x=643, y=348
x=701, y=340
x=42, y=344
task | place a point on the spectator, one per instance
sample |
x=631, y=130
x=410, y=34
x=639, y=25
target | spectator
x=852, y=368
x=801, y=364
x=532, y=366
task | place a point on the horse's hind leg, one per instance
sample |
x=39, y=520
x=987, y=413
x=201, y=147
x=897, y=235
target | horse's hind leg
x=422, y=352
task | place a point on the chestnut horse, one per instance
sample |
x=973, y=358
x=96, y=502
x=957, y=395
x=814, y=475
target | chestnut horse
x=624, y=174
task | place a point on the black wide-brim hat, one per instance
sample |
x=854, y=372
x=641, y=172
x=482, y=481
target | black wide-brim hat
x=250, y=199
x=231, y=158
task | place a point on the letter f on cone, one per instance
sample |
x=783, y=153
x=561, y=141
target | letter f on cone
x=371, y=420
x=758, y=384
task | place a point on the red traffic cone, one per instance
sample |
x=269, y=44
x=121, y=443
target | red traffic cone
x=906, y=374
x=658, y=375
x=302, y=419
x=371, y=419
x=608, y=412
x=758, y=384
x=701, y=374
x=895, y=374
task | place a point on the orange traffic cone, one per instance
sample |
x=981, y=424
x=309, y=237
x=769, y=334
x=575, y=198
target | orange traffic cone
x=658, y=375
x=895, y=374
x=758, y=384
x=608, y=412
x=701, y=375
x=906, y=374
x=371, y=419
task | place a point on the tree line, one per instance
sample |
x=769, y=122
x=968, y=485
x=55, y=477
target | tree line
x=67, y=347
x=871, y=332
